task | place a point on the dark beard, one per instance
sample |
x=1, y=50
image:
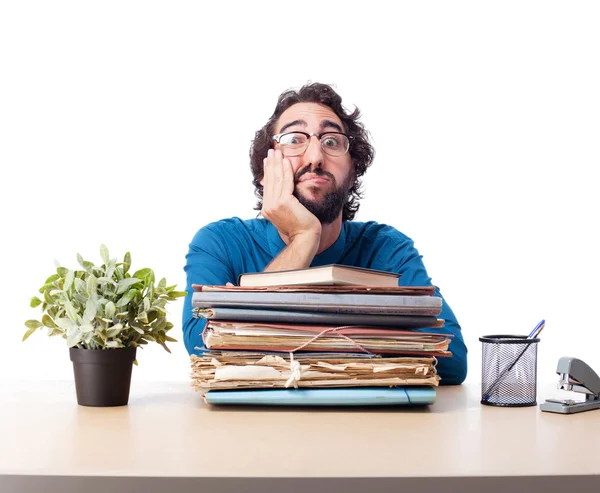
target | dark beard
x=329, y=207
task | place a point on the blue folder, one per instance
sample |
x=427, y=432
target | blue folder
x=357, y=396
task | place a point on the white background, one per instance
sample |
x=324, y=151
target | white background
x=129, y=124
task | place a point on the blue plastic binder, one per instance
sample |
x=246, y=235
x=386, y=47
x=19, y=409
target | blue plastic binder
x=357, y=396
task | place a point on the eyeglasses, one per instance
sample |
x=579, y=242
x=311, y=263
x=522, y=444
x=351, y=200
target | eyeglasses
x=296, y=143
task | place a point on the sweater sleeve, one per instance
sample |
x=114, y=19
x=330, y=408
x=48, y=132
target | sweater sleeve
x=207, y=262
x=405, y=259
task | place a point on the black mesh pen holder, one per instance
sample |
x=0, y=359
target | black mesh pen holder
x=508, y=370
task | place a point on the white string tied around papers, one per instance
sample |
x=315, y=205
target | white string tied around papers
x=335, y=331
x=295, y=372
x=295, y=368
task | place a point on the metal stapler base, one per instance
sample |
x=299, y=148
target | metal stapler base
x=567, y=406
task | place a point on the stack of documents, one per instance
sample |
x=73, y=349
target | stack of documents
x=318, y=337
x=242, y=370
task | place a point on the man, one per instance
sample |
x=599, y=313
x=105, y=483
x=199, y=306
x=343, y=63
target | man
x=307, y=162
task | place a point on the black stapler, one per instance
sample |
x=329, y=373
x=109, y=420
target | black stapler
x=576, y=376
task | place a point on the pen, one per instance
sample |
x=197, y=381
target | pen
x=532, y=335
x=537, y=329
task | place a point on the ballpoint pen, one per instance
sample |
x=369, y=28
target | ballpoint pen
x=536, y=331
x=532, y=335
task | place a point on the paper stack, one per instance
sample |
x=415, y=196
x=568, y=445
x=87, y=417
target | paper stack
x=359, y=338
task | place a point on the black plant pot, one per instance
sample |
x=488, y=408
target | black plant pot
x=102, y=376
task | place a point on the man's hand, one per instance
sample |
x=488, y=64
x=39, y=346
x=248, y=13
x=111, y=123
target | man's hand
x=280, y=206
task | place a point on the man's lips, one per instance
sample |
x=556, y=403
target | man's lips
x=313, y=179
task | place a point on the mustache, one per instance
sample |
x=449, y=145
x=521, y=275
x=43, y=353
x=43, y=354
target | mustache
x=316, y=171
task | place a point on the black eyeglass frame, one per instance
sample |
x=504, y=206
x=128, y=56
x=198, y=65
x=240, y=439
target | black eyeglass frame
x=278, y=137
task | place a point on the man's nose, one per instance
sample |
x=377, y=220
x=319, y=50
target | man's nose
x=314, y=153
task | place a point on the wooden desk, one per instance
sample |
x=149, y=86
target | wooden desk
x=167, y=439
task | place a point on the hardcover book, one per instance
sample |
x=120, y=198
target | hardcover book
x=334, y=274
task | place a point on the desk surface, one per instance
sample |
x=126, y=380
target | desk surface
x=168, y=431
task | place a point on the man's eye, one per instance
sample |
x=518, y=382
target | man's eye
x=293, y=139
x=331, y=142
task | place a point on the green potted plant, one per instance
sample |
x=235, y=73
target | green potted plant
x=105, y=313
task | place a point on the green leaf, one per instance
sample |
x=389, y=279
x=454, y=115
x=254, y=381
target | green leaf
x=46, y=287
x=47, y=298
x=90, y=310
x=48, y=322
x=127, y=297
x=104, y=254
x=28, y=333
x=82, y=300
x=80, y=285
x=33, y=324
x=126, y=262
x=170, y=339
x=71, y=312
x=84, y=263
x=176, y=294
x=99, y=342
x=160, y=303
x=125, y=284
x=162, y=283
x=110, y=310
x=115, y=330
x=110, y=268
x=86, y=327
x=35, y=302
x=66, y=324
x=92, y=284
x=106, y=280
x=73, y=338
x=62, y=271
x=160, y=324
x=53, y=277
x=143, y=317
x=143, y=273
x=69, y=280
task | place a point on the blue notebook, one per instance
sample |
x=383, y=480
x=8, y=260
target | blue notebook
x=357, y=396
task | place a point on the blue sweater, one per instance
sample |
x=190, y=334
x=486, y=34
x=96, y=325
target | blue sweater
x=223, y=250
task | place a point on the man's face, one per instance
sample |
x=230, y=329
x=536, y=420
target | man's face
x=321, y=181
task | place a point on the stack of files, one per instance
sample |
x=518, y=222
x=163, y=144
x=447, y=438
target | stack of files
x=279, y=337
x=318, y=339
x=396, y=300
x=247, y=369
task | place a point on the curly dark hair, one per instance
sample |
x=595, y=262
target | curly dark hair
x=361, y=151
